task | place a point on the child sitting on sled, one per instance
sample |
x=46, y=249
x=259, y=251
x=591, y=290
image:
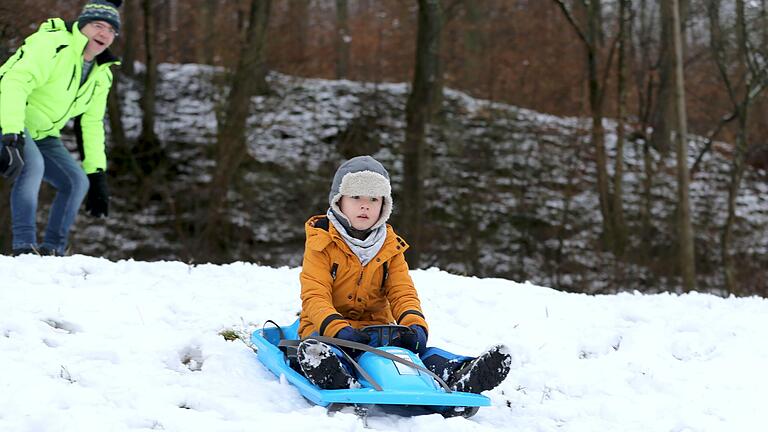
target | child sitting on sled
x=354, y=275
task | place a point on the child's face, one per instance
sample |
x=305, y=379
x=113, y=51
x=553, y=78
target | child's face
x=362, y=211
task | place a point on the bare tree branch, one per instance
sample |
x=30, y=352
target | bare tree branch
x=710, y=139
x=572, y=21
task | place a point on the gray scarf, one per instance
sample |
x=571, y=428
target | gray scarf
x=366, y=249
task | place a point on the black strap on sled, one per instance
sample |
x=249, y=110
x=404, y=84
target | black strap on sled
x=363, y=347
x=279, y=329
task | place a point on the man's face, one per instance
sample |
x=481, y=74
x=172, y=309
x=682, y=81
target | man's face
x=100, y=36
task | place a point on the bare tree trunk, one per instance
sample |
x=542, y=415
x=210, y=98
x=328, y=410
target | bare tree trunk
x=687, y=257
x=128, y=34
x=744, y=83
x=664, y=117
x=148, y=153
x=592, y=41
x=115, y=113
x=231, y=147
x=343, y=40
x=644, y=83
x=737, y=173
x=620, y=234
x=206, y=20
x=418, y=114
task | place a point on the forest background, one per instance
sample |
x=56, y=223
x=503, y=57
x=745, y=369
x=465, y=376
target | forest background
x=473, y=190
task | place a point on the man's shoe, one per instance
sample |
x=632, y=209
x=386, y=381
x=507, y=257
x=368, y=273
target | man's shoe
x=39, y=251
x=322, y=368
x=483, y=373
x=25, y=251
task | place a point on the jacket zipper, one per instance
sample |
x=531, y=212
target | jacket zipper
x=93, y=91
x=72, y=78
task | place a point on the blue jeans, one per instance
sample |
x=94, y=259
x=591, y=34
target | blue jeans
x=46, y=159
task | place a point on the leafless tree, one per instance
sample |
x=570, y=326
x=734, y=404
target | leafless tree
x=418, y=114
x=663, y=116
x=742, y=67
x=230, y=151
x=620, y=234
x=148, y=144
x=685, y=227
x=117, y=131
x=591, y=35
x=128, y=32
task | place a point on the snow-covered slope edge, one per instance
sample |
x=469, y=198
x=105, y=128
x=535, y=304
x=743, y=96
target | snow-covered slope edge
x=89, y=344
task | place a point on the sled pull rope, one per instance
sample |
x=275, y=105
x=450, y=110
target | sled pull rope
x=366, y=348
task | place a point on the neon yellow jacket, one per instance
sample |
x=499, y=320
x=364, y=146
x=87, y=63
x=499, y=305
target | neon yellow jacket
x=44, y=75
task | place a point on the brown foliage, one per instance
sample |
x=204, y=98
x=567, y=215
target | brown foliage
x=515, y=51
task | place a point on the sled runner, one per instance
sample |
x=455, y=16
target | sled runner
x=391, y=378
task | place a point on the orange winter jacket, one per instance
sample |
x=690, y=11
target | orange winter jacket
x=337, y=291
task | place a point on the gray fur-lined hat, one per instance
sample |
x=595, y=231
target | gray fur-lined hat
x=362, y=176
x=101, y=10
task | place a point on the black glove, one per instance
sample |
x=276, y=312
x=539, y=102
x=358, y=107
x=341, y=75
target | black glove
x=352, y=334
x=97, y=200
x=11, y=155
x=415, y=340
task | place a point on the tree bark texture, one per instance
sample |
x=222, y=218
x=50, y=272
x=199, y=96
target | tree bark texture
x=743, y=80
x=115, y=113
x=663, y=117
x=231, y=148
x=620, y=228
x=148, y=142
x=128, y=35
x=418, y=114
x=592, y=41
x=685, y=227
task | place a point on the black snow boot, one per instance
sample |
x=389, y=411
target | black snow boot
x=483, y=373
x=322, y=368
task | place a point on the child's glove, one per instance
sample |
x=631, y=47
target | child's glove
x=352, y=334
x=415, y=340
x=11, y=155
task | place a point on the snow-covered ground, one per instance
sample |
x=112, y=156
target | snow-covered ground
x=92, y=345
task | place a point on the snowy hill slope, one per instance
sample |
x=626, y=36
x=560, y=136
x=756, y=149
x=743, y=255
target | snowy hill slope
x=92, y=345
x=511, y=192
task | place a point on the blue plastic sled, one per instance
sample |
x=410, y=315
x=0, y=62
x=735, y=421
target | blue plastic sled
x=407, y=390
